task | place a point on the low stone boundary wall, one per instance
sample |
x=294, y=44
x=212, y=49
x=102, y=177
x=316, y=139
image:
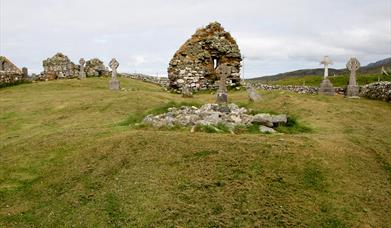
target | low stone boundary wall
x=377, y=90
x=296, y=89
x=146, y=78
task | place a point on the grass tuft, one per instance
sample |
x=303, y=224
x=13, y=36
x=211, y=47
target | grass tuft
x=293, y=126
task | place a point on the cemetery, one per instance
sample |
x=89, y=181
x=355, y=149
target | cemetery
x=86, y=144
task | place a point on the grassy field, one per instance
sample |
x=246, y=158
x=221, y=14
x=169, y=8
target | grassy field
x=338, y=80
x=68, y=159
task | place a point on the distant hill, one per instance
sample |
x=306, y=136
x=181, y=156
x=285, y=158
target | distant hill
x=372, y=68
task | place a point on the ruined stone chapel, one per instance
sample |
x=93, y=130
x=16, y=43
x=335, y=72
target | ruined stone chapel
x=194, y=64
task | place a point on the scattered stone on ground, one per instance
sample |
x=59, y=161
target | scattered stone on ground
x=196, y=61
x=230, y=115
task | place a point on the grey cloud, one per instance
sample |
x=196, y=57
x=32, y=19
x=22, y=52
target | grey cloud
x=274, y=36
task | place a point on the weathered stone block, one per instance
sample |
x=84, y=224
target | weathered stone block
x=326, y=88
x=114, y=84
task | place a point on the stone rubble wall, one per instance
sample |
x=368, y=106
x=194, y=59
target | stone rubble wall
x=231, y=115
x=9, y=72
x=95, y=68
x=377, y=90
x=10, y=77
x=61, y=67
x=58, y=67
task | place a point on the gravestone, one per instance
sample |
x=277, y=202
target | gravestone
x=252, y=93
x=82, y=73
x=223, y=71
x=352, y=90
x=25, y=72
x=326, y=88
x=187, y=91
x=114, y=83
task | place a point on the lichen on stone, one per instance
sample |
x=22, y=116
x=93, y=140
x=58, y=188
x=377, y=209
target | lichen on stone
x=195, y=62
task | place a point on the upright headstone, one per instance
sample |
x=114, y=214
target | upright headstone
x=114, y=83
x=61, y=75
x=82, y=73
x=224, y=72
x=383, y=71
x=187, y=91
x=326, y=88
x=252, y=93
x=25, y=72
x=352, y=90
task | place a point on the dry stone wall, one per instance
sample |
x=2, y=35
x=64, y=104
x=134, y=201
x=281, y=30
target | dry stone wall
x=162, y=81
x=295, y=89
x=377, y=90
x=195, y=63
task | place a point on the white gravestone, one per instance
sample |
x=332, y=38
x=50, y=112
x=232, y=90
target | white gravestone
x=326, y=88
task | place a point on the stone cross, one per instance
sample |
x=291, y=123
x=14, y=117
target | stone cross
x=114, y=65
x=82, y=73
x=353, y=65
x=114, y=83
x=326, y=62
x=223, y=71
x=25, y=72
x=187, y=91
x=352, y=90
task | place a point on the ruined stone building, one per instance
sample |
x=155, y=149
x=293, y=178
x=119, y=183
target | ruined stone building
x=61, y=67
x=195, y=63
x=95, y=68
x=9, y=72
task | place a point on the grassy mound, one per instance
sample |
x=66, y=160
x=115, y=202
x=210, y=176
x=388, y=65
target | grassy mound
x=66, y=161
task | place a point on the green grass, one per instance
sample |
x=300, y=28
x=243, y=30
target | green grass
x=137, y=117
x=66, y=161
x=337, y=81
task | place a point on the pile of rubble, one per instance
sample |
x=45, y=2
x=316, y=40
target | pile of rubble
x=377, y=90
x=194, y=64
x=212, y=115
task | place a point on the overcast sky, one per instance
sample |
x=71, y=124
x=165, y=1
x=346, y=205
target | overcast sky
x=274, y=36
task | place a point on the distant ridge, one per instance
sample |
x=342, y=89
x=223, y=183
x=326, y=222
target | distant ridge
x=372, y=68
